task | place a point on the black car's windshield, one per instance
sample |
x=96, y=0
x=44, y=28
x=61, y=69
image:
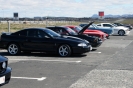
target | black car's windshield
x=78, y=28
x=93, y=26
x=52, y=33
x=72, y=32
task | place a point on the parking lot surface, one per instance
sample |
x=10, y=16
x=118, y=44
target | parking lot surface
x=108, y=66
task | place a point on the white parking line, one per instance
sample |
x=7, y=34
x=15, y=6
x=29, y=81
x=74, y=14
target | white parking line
x=95, y=52
x=45, y=60
x=38, y=79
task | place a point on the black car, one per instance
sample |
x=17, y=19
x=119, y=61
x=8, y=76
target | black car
x=120, y=24
x=63, y=30
x=5, y=71
x=42, y=40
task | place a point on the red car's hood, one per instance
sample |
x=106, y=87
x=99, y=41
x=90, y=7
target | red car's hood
x=89, y=32
x=94, y=31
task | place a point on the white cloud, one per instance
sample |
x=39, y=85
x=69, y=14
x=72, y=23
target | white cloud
x=74, y=8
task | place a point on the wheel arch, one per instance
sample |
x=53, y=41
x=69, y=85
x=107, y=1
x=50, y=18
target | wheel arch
x=16, y=50
x=68, y=45
x=13, y=42
x=121, y=30
x=64, y=44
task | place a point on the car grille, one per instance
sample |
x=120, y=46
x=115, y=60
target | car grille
x=1, y=68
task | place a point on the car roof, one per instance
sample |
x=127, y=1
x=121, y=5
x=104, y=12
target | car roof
x=56, y=26
x=36, y=28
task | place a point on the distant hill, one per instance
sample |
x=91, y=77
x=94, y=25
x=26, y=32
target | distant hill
x=113, y=16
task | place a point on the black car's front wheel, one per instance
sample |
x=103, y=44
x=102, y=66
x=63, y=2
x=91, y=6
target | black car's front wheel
x=13, y=49
x=64, y=50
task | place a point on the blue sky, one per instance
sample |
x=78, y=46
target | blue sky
x=65, y=8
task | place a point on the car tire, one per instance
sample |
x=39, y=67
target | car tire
x=108, y=37
x=64, y=50
x=121, y=32
x=13, y=49
x=91, y=48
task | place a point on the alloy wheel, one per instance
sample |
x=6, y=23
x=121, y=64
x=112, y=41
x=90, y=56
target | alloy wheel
x=121, y=32
x=13, y=49
x=64, y=50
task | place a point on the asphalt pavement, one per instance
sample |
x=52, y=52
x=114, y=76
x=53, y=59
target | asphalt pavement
x=110, y=66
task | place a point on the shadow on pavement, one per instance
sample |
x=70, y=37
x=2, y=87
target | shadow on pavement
x=42, y=54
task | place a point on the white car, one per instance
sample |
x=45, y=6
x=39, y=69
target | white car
x=118, y=30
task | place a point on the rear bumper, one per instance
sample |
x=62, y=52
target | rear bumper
x=7, y=75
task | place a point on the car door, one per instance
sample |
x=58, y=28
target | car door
x=21, y=38
x=45, y=42
x=38, y=40
x=30, y=40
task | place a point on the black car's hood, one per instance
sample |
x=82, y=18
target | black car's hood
x=85, y=27
x=71, y=38
x=3, y=59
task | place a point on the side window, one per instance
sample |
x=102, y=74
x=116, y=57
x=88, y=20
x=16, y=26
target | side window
x=99, y=25
x=20, y=33
x=63, y=31
x=23, y=33
x=107, y=25
x=32, y=33
x=58, y=30
x=42, y=34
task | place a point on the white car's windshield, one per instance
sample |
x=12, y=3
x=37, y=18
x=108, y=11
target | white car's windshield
x=114, y=25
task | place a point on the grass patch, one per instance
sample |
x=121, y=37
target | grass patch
x=19, y=25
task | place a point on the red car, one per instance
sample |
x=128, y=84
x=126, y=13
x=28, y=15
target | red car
x=96, y=33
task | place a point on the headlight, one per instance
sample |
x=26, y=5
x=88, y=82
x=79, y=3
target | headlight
x=82, y=44
x=4, y=64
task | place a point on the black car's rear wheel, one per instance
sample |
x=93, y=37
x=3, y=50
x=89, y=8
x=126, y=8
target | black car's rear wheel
x=64, y=50
x=13, y=49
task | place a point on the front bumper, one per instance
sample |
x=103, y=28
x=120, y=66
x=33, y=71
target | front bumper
x=127, y=32
x=96, y=44
x=7, y=75
x=82, y=49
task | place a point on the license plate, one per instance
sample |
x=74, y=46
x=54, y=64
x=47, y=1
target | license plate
x=2, y=79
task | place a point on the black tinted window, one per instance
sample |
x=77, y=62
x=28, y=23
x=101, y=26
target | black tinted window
x=62, y=31
x=32, y=33
x=20, y=33
x=107, y=25
x=42, y=34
